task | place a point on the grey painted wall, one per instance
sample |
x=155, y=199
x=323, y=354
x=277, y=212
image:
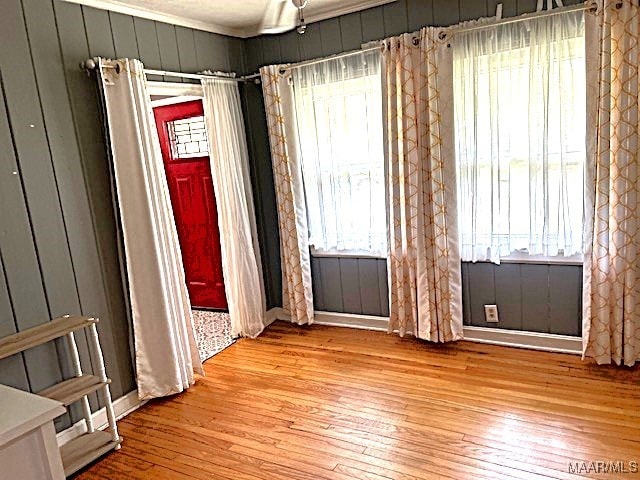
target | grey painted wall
x=58, y=248
x=534, y=298
x=360, y=285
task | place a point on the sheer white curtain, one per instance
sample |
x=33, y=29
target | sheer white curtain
x=519, y=94
x=166, y=353
x=236, y=217
x=339, y=112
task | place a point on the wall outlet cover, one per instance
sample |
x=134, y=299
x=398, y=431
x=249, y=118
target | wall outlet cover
x=491, y=313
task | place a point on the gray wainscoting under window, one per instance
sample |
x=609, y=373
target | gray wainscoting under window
x=533, y=298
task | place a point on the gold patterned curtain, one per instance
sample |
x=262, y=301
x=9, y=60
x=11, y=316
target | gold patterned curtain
x=297, y=293
x=611, y=293
x=424, y=257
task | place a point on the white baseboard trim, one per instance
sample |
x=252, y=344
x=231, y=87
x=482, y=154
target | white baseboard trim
x=122, y=407
x=531, y=340
x=274, y=314
x=363, y=322
x=495, y=336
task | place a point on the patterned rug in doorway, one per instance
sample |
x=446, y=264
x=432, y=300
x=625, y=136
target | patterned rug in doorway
x=213, y=332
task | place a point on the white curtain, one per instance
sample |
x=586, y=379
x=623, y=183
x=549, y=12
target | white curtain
x=166, y=354
x=236, y=217
x=519, y=118
x=339, y=112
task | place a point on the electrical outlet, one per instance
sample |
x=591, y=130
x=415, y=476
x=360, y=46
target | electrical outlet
x=491, y=313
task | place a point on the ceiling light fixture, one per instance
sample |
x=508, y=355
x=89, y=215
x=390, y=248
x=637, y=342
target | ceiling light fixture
x=302, y=26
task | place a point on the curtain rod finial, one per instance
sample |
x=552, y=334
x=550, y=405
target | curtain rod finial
x=89, y=64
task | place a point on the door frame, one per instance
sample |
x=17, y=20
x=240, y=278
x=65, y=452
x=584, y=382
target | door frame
x=171, y=89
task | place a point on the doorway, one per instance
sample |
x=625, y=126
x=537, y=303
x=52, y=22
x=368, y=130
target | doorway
x=185, y=153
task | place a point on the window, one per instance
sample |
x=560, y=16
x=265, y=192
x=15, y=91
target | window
x=188, y=138
x=339, y=114
x=519, y=93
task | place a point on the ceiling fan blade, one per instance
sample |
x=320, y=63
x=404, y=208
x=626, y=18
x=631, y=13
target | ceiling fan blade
x=280, y=16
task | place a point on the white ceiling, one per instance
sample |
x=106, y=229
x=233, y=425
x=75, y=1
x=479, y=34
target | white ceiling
x=238, y=18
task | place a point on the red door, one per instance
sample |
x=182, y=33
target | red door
x=186, y=161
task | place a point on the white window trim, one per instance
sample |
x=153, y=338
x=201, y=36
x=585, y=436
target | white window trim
x=344, y=254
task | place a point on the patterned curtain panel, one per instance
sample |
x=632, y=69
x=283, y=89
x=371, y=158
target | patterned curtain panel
x=611, y=264
x=297, y=294
x=424, y=257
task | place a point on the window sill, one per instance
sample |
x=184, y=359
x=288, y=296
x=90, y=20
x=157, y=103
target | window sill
x=317, y=254
x=576, y=261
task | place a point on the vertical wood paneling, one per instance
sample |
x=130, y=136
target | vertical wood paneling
x=235, y=54
x=73, y=194
x=525, y=6
x=186, y=50
x=98, y=29
x=395, y=18
x=535, y=299
x=124, y=35
x=507, y=278
x=289, y=48
x=316, y=278
x=419, y=14
x=349, y=279
x=310, y=43
x=482, y=291
x=466, y=303
x=253, y=47
x=220, y=47
x=331, y=285
x=565, y=299
x=369, y=286
x=372, y=24
x=148, y=45
x=205, y=51
x=58, y=244
x=34, y=170
x=383, y=282
x=351, y=28
x=264, y=191
x=445, y=12
x=472, y=10
x=13, y=371
x=168, y=46
x=271, y=49
x=331, y=37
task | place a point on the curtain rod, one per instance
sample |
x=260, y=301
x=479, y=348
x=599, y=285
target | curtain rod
x=527, y=16
x=92, y=63
x=195, y=76
x=331, y=57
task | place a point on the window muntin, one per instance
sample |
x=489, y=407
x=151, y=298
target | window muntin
x=188, y=138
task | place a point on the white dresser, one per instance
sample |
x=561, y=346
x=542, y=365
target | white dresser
x=28, y=447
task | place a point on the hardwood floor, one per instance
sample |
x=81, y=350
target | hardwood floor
x=336, y=403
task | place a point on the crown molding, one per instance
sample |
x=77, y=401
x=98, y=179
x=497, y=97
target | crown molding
x=327, y=13
x=121, y=7
x=252, y=31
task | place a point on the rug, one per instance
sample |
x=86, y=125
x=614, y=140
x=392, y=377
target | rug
x=212, y=331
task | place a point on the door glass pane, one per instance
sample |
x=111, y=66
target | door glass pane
x=188, y=138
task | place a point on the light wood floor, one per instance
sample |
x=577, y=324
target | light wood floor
x=335, y=403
